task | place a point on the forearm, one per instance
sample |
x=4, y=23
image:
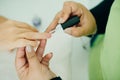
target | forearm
x=2, y=19
x=101, y=13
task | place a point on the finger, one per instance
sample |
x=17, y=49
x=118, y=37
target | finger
x=31, y=56
x=35, y=35
x=66, y=12
x=24, y=25
x=46, y=59
x=41, y=48
x=23, y=43
x=54, y=23
x=23, y=30
x=20, y=59
x=74, y=8
x=81, y=29
x=61, y=17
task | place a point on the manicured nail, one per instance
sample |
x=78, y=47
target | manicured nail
x=49, y=35
x=69, y=31
x=46, y=35
x=61, y=20
x=51, y=53
x=29, y=48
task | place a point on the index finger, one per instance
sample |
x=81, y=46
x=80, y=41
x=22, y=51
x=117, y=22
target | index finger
x=54, y=23
x=41, y=48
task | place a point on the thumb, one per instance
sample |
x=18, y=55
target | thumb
x=31, y=57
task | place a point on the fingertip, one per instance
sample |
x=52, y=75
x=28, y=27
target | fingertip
x=45, y=35
x=50, y=55
x=47, y=57
x=48, y=35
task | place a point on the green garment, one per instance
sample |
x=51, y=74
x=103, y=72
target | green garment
x=94, y=64
x=110, y=53
x=105, y=56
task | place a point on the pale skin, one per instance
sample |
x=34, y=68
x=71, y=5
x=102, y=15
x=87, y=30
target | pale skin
x=31, y=65
x=87, y=25
x=14, y=34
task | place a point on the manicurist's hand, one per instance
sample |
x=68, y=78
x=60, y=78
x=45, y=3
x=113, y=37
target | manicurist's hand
x=87, y=25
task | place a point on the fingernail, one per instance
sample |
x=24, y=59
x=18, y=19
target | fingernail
x=29, y=48
x=61, y=20
x=51, y=53
x=49, y=35
x=69, y=31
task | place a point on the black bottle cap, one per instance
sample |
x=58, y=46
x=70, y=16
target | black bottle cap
x=73, y=20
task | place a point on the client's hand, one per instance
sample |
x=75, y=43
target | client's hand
x=14, y=34
x=31, y=65
x=87, y=23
